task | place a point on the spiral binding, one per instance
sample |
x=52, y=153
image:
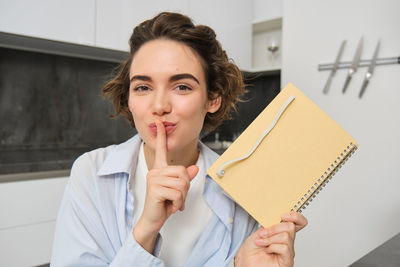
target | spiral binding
x=324, y=179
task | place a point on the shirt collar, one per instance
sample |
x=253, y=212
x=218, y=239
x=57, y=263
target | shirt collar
x=123, y=158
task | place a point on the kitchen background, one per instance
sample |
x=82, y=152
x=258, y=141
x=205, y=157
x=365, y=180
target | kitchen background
x=55, y=57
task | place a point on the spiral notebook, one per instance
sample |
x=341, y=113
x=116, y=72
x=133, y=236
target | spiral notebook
x=284, y=157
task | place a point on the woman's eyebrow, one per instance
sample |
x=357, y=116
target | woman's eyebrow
x=173, y=78
x=178, y=77
x=141, y=78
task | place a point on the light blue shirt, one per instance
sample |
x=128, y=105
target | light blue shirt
x=94, y=223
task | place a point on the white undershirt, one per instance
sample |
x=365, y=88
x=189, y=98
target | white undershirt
x=182, y=229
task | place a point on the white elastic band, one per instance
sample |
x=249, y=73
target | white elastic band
x=221, y=171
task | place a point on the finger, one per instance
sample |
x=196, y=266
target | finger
x=175, y=184
x=192, y=171
x=175, y=177
x=297, y=218
x=171, y=171
x=284, y=251
x=161, y=146
x=278, y=228
x=250, y=243
x=281, y=238
x=179, y=172
x=175, y=196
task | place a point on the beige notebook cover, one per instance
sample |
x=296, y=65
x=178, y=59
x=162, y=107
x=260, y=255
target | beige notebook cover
x=291, y=164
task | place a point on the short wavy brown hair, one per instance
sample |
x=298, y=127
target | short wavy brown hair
x=223, y=77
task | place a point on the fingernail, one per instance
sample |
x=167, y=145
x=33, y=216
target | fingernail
x=263, y=233
x=286, y=216
x=261, y=242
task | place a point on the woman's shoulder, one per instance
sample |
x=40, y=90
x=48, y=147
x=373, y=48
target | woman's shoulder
x=93, y=159
x=105, y=160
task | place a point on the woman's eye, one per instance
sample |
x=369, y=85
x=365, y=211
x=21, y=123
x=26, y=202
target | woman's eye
x=141, y=88
x=183, y=87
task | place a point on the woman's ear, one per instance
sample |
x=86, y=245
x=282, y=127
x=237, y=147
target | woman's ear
x=214, y=104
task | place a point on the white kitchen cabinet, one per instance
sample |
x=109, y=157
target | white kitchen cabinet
x=70, y=21
x=109, y=24
x=230, y=19
x=267, y=45
x=115, y=20
x=28, y=211
x=264, y=10
x=29, y=202
x=266, y=38
x=28, y=245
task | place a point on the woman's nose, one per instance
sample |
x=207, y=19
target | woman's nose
x=161, y=103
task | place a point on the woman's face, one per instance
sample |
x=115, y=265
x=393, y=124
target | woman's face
x=167, y=83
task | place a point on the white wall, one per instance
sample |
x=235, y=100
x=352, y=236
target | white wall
x=360, y=208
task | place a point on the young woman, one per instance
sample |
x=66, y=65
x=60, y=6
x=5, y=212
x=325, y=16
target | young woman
x=148, y=201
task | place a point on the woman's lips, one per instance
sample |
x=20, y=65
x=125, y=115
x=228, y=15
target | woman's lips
x=169, y=127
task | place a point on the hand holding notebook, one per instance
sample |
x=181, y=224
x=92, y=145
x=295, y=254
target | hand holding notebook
x=284, y=158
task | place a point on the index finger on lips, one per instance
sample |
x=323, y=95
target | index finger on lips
x=161, y=146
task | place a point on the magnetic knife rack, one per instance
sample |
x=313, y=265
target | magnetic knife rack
x=363, y=63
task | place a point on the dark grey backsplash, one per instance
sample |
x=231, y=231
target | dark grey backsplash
x=262, y=89
x=51, y=110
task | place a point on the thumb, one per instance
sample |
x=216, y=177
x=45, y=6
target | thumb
x=192, y=171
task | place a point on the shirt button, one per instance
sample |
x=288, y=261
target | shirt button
x=230, y=220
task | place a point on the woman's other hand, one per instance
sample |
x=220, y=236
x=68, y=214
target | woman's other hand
x=167, y=187
x=273, y=246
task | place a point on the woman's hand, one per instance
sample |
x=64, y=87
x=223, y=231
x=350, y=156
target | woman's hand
x=273, y=246
x=166, y=191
